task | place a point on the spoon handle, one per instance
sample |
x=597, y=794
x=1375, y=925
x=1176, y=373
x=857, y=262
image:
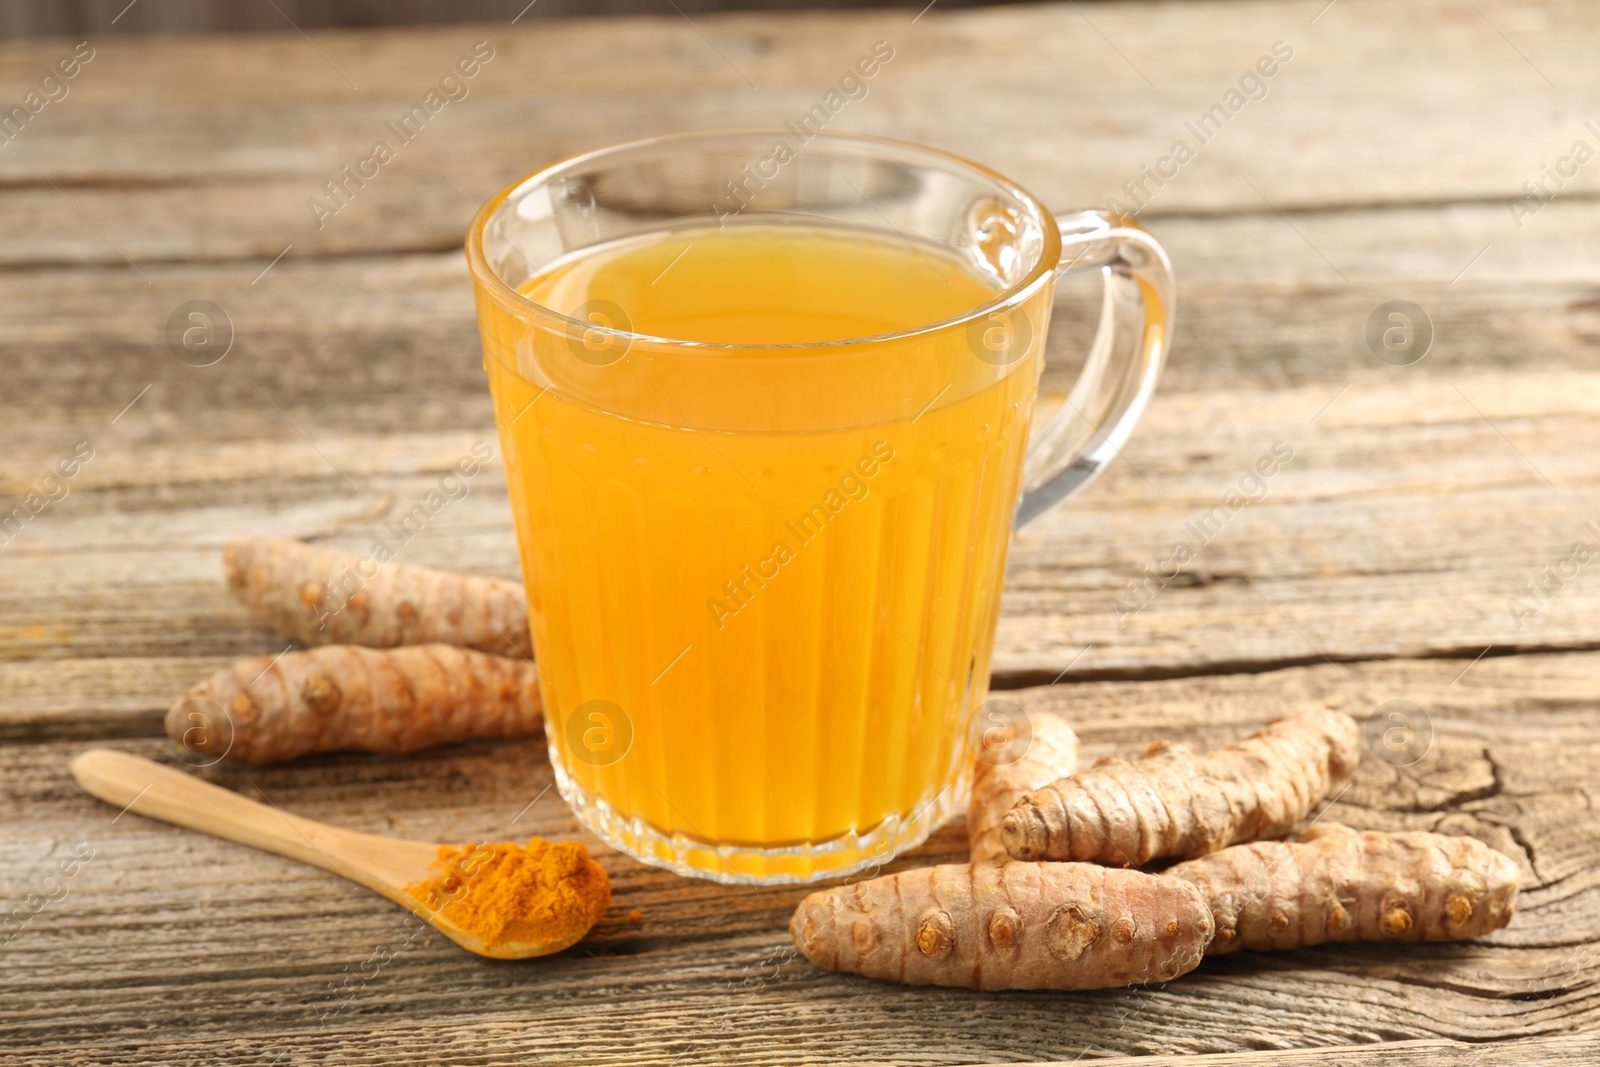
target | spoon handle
x=157, y=792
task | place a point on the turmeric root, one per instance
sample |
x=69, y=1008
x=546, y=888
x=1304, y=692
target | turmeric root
x=1336, y=884
x=1052, y=753
x=318, y=597
x=340, y=697
x=1173, y=803
x=1008, y=926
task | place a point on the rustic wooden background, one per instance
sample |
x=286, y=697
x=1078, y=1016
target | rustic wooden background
x=1381, y=564
x=40, y=18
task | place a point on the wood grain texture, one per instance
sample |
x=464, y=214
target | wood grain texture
x=1375, y=567
x=1258, y=307
x=1539, y=1052
x=200, y=927
x=1067, y=101
x=19, y=18
x=1412, y=513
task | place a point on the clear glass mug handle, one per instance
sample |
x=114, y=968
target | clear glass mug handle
x=1124, y=364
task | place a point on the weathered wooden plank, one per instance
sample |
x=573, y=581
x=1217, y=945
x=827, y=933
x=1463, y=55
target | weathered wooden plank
x=1408, y=521
x=392, y=1043
x=184, y=924
x=1112, y=88
x=1540, y=1052
x=1397, y=562
x=18, y=18
x=364, y=342
x=82, y=699
x=1414, y=510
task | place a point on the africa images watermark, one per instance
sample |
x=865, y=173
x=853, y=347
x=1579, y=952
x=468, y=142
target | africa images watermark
x=452, y=87
x=52, y=486
x=853, y=485
x=852, y=86
x=1552, y=179
x=52, y=889
x=1537, y=592
x=417, y=923
x=344, y=585
x=52, y=89
x=1251, y=86
x=1252, y=488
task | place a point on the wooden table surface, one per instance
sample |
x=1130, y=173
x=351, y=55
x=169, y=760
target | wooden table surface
x=1391, y=559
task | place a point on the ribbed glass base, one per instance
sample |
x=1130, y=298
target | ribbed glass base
x=741, y=864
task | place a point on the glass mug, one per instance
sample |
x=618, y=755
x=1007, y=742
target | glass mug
x=763, y=578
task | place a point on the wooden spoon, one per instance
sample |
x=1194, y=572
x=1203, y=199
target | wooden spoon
x=383, y=864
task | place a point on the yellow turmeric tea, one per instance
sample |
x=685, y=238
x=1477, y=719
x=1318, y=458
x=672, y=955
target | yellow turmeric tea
x=767, y=608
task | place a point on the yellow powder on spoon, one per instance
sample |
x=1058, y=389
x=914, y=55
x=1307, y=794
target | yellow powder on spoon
x=540, y=892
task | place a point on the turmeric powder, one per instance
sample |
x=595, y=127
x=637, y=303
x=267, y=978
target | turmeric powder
x=1174, y=803
x=321, y=597
x=547, y=893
